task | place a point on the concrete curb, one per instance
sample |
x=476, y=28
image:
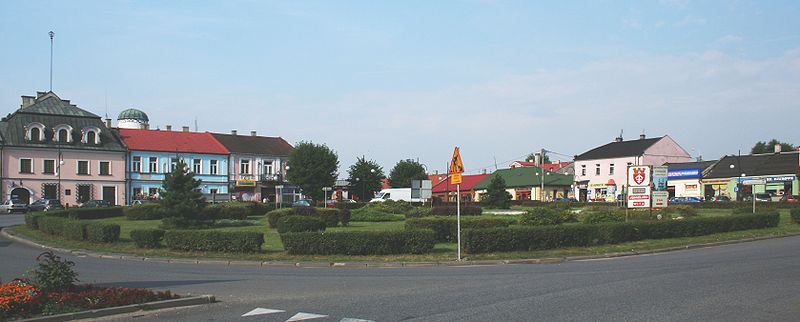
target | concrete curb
x=93, y=314
x=375, y=264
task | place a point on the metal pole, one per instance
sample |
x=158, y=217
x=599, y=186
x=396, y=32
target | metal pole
x=541, y=166
x=52, y=34
x=753, y=190
x=458, y=217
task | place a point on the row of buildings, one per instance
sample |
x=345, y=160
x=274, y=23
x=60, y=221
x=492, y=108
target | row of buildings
x=51, y=148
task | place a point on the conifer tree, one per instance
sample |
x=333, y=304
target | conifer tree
x=180, y=198
x=496, y=195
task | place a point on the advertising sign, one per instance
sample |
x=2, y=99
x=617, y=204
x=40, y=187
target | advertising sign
x=639, y=197
x=660, y=178
x=684, y=173
x=639, y=175
x=660, y=199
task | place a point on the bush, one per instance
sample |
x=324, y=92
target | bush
x=386, y=207
x=795, y=214
x=446, y=228
x=304, y=211
x=74, y=229
x=102, y=232
x=51, y=225
x=216, y=241
x=684, y=211
x=147, y=238
x=294, y=224
x=377, y=217
x=32, y=219
x=231, y=210
x=359, y=242
x=344, y=216
x=95, y=213
x=184, y=223
x=273, y=216
x=349, y=205
x=52, y=273
x=329, y=216
x=419, y=212
x=540, y=216
x=520, y=238
x=466, y=210
x=602, y=216
x=148, y=211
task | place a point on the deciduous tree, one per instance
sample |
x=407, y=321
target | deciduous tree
x=405, y=171
x=365, y=178
x=312, y=167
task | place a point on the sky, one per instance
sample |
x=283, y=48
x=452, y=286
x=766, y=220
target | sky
x=394, y=80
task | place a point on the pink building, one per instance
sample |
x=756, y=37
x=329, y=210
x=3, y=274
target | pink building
x=52, y=149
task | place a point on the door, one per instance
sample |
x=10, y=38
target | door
x=110, y=195
x=84, y=193
x=21, y=194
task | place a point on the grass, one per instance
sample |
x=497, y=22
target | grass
x=273, y=249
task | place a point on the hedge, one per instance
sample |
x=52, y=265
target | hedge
x=466, y=210
x=102, y=232
x=74, y=229
x=376, y=217
x=344, y=216
x=521, y=238
x=359, y=242
x=231, y=210
x=540, y=216
x=296, y=224
x=331, y=217
x=446, y=228
x=51, y=225
x=216, y=241
x=95, y=213
x=273, y=216
x=349, y=205
x=795, y=214
x=148, y=211
x=603, y=216
x=147, y=238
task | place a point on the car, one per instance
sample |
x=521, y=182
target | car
x=96, y=204
x=790, y=198
x=720, y=198
x=14, y=205
x=763, y=197
x=685, y=199
x=302, y=203
x=45, y=205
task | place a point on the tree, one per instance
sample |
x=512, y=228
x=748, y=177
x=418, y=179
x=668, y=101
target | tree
x=496, y=195
x=312, y=167
x=405, y=171
x=181, y=198
x=532, y=157
x=365, y=178
x=769, y=147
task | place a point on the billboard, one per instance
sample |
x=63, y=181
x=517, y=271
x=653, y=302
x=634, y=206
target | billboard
x=639, y=175
x=639, y=197
x=660, y=178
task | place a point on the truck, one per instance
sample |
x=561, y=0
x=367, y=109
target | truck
x=395, y=194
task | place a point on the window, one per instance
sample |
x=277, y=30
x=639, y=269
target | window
x=62, y=133
x=34, y=135
x=137, y=193
x=174, y=164
x=83, y=167
x=49, y=167
x=611, y=169
x=25, y=165
x=152, y=191
x=583, y=170
x=597, y=169
x=213, y=167
x=244, y=166
x=63, y=136
x=136, y=165
x=50, y=191
x=153, y=164
x=196, y=166
x=34, y=132
x=105, y=168
x=91, y=137
x=268, y=168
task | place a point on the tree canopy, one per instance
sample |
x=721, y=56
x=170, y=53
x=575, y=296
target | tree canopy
x=496, y=195
x=769, y=147
x=180, y=196
x=532, y=158
x=405, y=171
x=312, y=167
x=365, y=178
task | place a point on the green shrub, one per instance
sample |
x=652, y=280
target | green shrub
x=386, y=207
x=53, y=274
x=795, y=214
x=32, y=219
x=466, y=210
x=304, y=211
x=329, y=216
x=344, y=216
x=601, y=216
x=294, y=224
x=684, y=211
x=95, y=213
x=446, y=228
x=540, y=216
x=102, y=232
x=148, y=211
x=74, y=229
x=273, y=216
x=419, y=212
x=359, y=242
x=216, y=241
x=371, y=217
x=147, y=238
x=350, y=205
x=231, y=210
x=521, y=238
x=51, y=225
x=185, y=223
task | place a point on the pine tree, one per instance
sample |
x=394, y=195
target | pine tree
x=180, y=198
x=496, y=195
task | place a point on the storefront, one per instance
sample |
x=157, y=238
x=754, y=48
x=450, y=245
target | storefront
x=685, y=183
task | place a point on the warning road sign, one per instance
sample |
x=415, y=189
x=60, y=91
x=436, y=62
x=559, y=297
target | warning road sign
x=455, y=165
x=455, y=178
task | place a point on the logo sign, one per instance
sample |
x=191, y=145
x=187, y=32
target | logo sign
x=684, y=173
x=455, y=165
x=639, y=175
x=660, y=199
x=660, y=178
x=455, y=178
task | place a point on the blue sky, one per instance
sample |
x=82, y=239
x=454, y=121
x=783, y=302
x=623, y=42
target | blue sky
x=392, y=80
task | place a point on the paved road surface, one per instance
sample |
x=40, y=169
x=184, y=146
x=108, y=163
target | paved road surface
x=756, y=281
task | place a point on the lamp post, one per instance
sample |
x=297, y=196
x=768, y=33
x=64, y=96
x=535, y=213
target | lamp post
x=58, y=173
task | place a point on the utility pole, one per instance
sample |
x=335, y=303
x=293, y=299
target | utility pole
x=541, y=166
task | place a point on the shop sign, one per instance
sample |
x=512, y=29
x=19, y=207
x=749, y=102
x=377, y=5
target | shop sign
x=660, y=199
x=683, y=174
x=639, y=197
x=691, y=187
x=598, y=185
x=660, y=178
x=780, y=179
x=716, y=181
x=639, y=175
x=245, y=183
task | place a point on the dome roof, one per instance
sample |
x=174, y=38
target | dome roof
x=133, y=114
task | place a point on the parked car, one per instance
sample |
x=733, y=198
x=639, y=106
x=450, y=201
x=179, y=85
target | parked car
x=763, y=197
x=302, y=203
x=720, y=199
x=96, y=204
x=566, y=200
x=14, y=205
x=685, y=199
x=45, y=205
x=790, y=198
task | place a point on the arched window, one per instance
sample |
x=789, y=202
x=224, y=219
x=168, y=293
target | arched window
x=90, y=135
x=62, y=133
x=63, y=136
x=34, y=135
x=34, y=132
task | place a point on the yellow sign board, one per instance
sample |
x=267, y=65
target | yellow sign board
x=455, y=165
x=455, y=178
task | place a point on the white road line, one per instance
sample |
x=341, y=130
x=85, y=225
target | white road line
x=305, y=316
x=354, y=320
x=261, y=311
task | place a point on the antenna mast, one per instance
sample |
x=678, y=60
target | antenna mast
x=52, y=34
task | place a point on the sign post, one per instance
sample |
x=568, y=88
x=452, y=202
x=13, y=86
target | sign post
x=456, y=169
x=752, y=183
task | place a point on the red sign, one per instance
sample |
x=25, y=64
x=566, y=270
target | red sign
x=639, y=176
x=639, y=197
x=639, y=204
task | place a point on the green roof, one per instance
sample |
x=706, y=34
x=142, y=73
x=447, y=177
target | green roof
x=48, y=103
x=133, y=114
x=526, y=177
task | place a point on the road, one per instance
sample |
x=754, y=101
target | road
x=755, y=281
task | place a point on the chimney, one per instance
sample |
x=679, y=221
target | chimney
x=777, y=148
x=233, y=132
x=168, y=127
x=185, y=129
x=27, y=101
x=618, y=139
x=253, y=133
x=108, y=123
x=484, y=171
x=642, y=136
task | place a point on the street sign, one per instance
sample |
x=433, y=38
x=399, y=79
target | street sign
x=659, y=178
x=639, y=175
x=660, y=199
x=455, y=165
x=327, y=189
x=455, y=178
x=754, y=181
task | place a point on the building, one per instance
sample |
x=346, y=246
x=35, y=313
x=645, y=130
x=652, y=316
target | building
x=524, y=183
x=53, y=149
x=683, y=179
x=445, y=191
x=552, y=167
x=779, y=170
x=154, y=153
x=600, y=173
x=257, y=166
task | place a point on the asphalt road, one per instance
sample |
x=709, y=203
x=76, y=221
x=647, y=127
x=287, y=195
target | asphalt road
x=755, y=281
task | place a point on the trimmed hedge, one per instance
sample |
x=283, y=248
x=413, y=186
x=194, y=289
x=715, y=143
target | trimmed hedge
x=102, y=232
x=344, y=216
x=795, y=215
x=95, y=213
x=540, y=216
x=466, y=210
x=419, y=212
x=377, y=217
x=231, y=210
x=521, y=238
x=330, y=217
x=604, y=216
x=294, y=224
x=147, y=238
x=349, y=205
x=74, y=229
x=359, y=242
x=216, y=241
x=32, y=218
x=51, y=225
x=148, y=211
x=273, y=216
x=445, y=228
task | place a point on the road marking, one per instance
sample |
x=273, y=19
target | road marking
x=305, y=316
x=261, y=311
x=354, y=320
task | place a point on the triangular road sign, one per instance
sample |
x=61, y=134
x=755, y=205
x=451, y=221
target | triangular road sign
x=261, y=311
x=305, y=316
x=455, y=165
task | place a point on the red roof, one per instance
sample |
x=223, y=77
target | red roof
x=552, y=167
x=467, y=182
x=172, y=141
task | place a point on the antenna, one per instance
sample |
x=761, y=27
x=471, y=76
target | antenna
x=52, y=34
x=195, y=123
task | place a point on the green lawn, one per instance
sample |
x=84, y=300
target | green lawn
x=273, y=249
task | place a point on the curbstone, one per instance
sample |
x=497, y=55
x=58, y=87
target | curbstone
x=98, y=313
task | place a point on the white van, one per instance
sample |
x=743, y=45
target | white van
x=395, y=194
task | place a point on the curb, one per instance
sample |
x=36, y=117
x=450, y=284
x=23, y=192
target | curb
x=92, y=314
x=362, y=264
